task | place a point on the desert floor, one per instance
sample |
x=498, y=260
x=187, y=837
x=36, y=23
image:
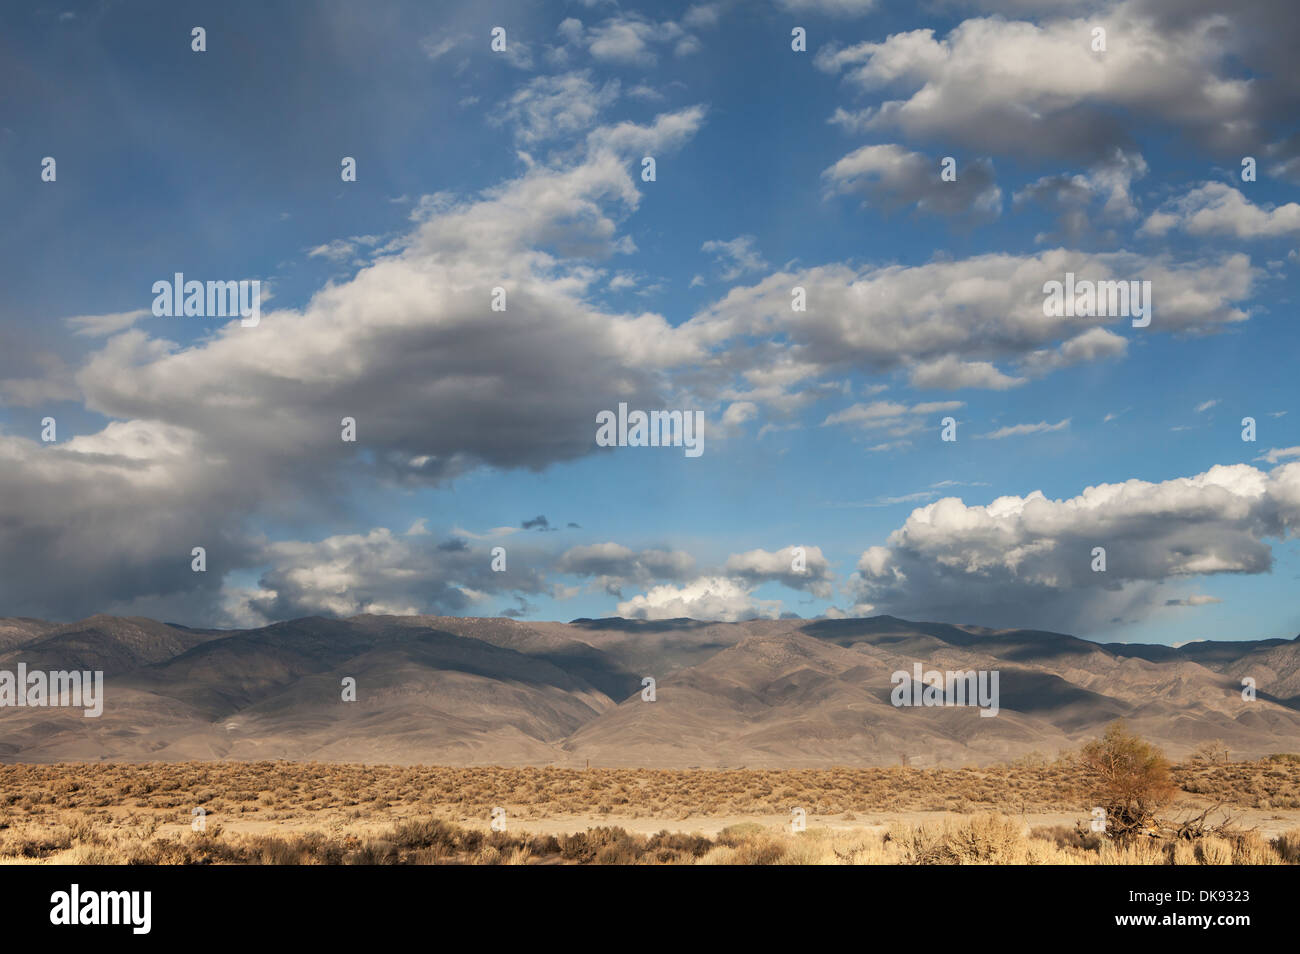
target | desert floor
x=283, y=812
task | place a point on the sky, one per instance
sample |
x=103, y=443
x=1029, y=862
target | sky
x=1144, y=141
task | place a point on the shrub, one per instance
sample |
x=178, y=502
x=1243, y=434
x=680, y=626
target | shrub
x=1130, y=779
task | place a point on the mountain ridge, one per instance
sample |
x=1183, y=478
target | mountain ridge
x=761, y=693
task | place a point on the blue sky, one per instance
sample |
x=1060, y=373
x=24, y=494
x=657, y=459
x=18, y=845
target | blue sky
x=774, y=168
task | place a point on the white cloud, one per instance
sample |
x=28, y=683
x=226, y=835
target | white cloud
x=1027, y=561
x=947, y=323
x=1019, y=430
x=384, y=573
x=552, y=107
x=1218, y=209
x=710, y=598
x=889, y=414
x=737, y=256
x=1017, y=87
x=1276, y=454
x=630, y=39
x=99, y=326
x=951, y=373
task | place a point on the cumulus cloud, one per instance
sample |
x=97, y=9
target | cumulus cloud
x=783, y=566
x=207, y=437
x=1095, y=344
x=100, y=520
x=614, y=566
x=1218, y=209
x=712, y=598
x=668, y=133
x=951, y=373
x=1086, y=204
x=385, y=573
x=236, y=428
x=948, y=323
x=1010, y=86
x=890, y=177
x=1027, y=561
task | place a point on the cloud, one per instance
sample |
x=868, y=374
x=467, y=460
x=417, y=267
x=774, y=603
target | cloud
x=830, y=8
x=951, y=373
x=1218, y=209
x=711, y=598
x=702, y=15
x=1196, y=599
x=898, y=419
x=100, y=326
x=624, y=40
x=1027, y=561
x=390, y=332
x=117, y=511
x=614, y=566
x=385, y=573
x=1013, y=87
x=337, y=250
x=668, y=133
x=551, y=107
x=435, y=47
x=1086, y=203
x=737, y=256
x=756, y=567
x=1019, y=430
x=630, y=39
x=205, y=440
x=1276, y=454
x=947, y=323
x=890, y=177
x=1205, y=406
x=1095, y=344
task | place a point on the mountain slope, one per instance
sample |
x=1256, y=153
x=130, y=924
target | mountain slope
x=778, y=693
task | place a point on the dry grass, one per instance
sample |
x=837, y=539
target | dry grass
x=268, y=788
x=979, y=840
x=312, y=813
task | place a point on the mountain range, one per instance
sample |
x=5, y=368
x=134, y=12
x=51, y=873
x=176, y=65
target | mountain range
x=762, y=693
